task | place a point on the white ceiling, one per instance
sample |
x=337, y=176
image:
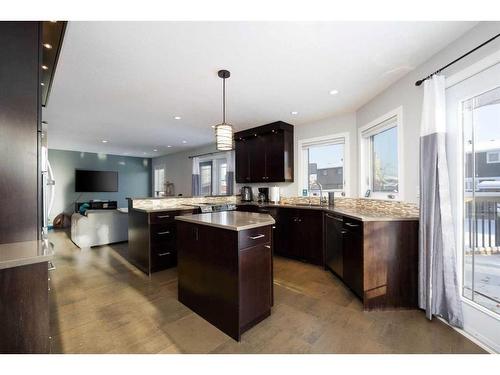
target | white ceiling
x=125, y=81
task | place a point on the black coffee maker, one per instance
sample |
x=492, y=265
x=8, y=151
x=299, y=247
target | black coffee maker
x=263, y=195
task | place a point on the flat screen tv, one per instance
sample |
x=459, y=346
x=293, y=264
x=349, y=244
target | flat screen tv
x=95, y=181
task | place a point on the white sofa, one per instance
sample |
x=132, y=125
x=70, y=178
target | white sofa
x=99, y=227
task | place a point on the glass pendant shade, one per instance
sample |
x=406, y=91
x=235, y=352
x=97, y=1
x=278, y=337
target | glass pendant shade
x=224, y=137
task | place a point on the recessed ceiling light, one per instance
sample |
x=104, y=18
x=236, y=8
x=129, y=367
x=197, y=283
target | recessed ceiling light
x=104, y=141
x=294, y=113
x=169, y=146
x=42, y=84
x=45, y=67
x=47, y=45
x=334, y=92
x=177, y=117
x=144, y=153
x=155, y=150
x=184, y=142
x=213, y=126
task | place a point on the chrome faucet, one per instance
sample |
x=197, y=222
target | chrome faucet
x=320, y=193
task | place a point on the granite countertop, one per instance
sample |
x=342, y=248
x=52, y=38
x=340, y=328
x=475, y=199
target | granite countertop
x=358, y=213
x=173, y=208
x=23, y=253
x=232, y=220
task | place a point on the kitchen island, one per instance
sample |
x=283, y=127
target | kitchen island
x=225, y=268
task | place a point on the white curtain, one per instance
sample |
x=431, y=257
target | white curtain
x=438, y=282
x=195, y=178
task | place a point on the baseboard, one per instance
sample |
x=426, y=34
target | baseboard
x=475, y=337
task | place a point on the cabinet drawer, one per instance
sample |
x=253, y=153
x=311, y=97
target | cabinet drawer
x=162, y=258
x=162, y=232
x=254, y=236
x=162, y=217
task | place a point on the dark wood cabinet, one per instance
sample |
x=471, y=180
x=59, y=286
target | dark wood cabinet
x=24, y=309
x=20, y=110
x=226, y=276
x=264, y=154
x=301, y=234
x=152, y=239
x=377, y=260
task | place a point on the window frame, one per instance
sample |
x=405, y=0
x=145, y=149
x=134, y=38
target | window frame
x=365, y=134
x=215, y=175
x=304, y=144
x=155, y=181
x=202, y=163
x=488, y=153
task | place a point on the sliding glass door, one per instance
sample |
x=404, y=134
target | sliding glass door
x=481, y=198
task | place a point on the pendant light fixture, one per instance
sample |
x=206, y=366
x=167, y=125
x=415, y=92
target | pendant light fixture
x=224, y=132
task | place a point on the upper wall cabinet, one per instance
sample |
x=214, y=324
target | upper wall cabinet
x=265, y=153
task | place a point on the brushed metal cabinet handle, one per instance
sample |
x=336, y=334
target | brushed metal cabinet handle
x=166, y=232
x=163, y=254
x=163, y=216
x=267, y=246
x=352, y=225
x=256, y=237
x=334, y=217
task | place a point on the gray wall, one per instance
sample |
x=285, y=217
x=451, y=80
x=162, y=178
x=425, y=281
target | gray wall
x=405, y=93
x=134, y=177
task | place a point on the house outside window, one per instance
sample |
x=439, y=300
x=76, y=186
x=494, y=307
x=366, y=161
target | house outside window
x=323, y=164
x=381, y=157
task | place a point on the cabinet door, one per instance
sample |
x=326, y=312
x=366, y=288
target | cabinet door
x=257, y=158
x=275, y=156
x=242, y=166
x=310, y=236
x=334, y=243
x=283, y=233
x=353, y=256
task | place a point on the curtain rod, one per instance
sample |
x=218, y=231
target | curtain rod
x=206, y=154
x=419, y=82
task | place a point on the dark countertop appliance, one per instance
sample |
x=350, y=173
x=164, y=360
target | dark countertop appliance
x=246, y=194
x=263, y=195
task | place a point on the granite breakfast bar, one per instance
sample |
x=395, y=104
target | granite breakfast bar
x=225, y=271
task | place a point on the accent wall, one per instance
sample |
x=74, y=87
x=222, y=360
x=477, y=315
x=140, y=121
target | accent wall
x=134, y=178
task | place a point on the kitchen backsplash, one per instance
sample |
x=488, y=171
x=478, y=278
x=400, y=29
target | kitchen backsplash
x=389, y=207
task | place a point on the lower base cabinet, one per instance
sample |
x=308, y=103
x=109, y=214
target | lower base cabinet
x=377, y=260
x=24, y=309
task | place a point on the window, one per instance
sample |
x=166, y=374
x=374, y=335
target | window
x=221, y=177
x=493, y=157
x=214, y=173
x=159, y=182
x=481, y=199
x=381, y=157
x=323, y=164
x=206, y=178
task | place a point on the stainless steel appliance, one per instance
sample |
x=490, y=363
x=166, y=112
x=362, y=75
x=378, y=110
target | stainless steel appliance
x=263, y=195
x=334, y=237
x=331, y=198
x=214, y=207
x=246, y=194
x=48, y=182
